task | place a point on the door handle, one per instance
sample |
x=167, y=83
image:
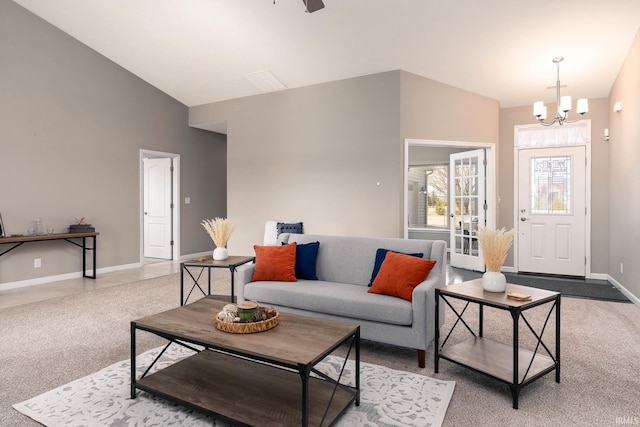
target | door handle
x=146, y=213
x=451, y=215
x=523, y=219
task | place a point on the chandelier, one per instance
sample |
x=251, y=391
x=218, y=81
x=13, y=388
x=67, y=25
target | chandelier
x=563, y=103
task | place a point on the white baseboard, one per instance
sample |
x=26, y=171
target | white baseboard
x=634, y=299
x=66, y=276
x=196, y=255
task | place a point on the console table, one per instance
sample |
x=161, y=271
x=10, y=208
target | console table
x=21, y=240
x=508, y=363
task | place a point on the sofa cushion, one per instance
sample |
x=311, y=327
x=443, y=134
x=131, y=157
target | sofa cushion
x=380, y=254
x=292, y=227
x=338, y=299
x=344, y=259
x=275, y=263
x=399, y=274
x=306, y=257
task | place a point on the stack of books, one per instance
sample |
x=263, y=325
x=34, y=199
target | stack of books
x=81, y=228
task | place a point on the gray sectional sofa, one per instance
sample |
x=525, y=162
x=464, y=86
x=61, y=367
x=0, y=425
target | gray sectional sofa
x=344, y=266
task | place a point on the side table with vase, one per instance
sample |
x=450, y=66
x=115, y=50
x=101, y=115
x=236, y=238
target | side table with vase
x=231, y=262
x=508, y=363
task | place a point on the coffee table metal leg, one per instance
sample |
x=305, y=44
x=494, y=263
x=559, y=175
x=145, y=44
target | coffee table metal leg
x=133, y=360
x=303, y=370
x=358, y=367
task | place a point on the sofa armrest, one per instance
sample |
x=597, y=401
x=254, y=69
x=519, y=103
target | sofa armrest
x=423, y=305
x=243, y=276
x=424, y=296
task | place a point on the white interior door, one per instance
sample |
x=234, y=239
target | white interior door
x=467, y=201
x=157, y=221
x=552, y=211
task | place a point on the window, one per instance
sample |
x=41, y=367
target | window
x=551, y=185
x=428, y=196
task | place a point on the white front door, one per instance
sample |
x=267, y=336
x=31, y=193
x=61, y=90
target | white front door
x=467, y=201
x=552, y=211
x=157, y=222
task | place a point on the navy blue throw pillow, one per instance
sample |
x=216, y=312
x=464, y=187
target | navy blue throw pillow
x=306, y=256
x=283, y=227
x=380, y=254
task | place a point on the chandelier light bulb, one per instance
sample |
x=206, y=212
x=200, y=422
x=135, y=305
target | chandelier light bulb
x=563, y=104
x=537, y=108
x=583, y=106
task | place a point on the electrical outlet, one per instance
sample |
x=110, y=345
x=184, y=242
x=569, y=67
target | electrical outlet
x=37, y=263
x=621, y=268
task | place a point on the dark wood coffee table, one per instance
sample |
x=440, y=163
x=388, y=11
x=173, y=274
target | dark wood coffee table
x=251, y=379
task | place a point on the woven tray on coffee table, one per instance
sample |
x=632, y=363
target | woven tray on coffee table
x=248, y=327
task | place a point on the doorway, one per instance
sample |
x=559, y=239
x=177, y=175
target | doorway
x=476, y=171
x=552, y=211
x=159, y=207
x=552, y=199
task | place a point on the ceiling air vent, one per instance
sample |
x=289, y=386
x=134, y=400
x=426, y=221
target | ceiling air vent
x=265, y=80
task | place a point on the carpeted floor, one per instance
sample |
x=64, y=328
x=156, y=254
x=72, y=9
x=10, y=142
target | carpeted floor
x=388, y=397
x=46, y=344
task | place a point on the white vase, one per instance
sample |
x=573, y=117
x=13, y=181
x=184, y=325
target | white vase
x=220, y=254
x=494, y=281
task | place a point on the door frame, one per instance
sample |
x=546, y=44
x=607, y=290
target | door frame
x=492, y=200
x=175, y=178
x=516, y=194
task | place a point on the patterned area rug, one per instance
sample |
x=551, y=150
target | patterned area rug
x=388, y=398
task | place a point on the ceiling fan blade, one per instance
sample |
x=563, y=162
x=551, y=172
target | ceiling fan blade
x=313, y=5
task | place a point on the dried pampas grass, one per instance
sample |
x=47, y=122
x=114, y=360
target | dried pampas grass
x=495, y=246
x=219, y=229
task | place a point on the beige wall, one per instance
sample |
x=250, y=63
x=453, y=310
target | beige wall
x=72, y=126
x=331, y=155
x=624, y=182
x=433, y=110
x=510, y=117
x=314, y=154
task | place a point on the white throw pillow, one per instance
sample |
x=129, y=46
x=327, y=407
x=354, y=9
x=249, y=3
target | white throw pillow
x=271, y=233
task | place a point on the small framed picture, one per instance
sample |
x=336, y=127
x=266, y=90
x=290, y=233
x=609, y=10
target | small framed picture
x=1, y=227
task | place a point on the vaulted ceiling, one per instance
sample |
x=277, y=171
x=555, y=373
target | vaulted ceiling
x=197, y=51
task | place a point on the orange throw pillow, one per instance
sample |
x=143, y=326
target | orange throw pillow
x=276, y=263
x=399, y=274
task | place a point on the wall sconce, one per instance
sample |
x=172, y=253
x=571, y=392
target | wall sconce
x=606, y=135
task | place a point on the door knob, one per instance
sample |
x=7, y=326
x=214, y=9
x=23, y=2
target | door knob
x=523, y=219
